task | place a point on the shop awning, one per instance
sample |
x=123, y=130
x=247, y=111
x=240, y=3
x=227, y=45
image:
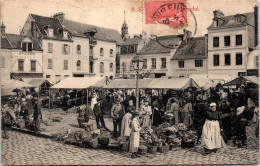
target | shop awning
x=241, y=80
x=77, y=82
x=128, y=84
x=38, y=82
x=172, y=83
x=8, y=86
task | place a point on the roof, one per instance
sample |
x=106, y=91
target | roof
x=127, y=84
x=132, y=41
x=105, y=34
x=9, y=85
x=240, y=80
x=51, y=22
x=77, y=82
x=205, y=83
x=229, y=21
x=162, y=44
x=192, y=49
x=36, y=82
x=13, y=41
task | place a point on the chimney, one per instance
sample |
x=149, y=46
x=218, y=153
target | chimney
x=218, y=14
x=60, y=16
x=206, y=44
x=3, y=28
x=186, y=35
x=256, y=24
x=33, y=29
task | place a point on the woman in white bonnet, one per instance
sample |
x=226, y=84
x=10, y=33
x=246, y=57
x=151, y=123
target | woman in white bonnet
x=211, y=136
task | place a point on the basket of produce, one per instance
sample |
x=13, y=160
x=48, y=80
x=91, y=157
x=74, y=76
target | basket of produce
x=21, y=123
x=57, y=119
x=88, y=127
x=163, y=148
x=177, y=141
x=170, y=139
x=124, y=146
x=103, y=141
x=187, y=143
x=181, y=126
x=142, y=150
x=152, y=149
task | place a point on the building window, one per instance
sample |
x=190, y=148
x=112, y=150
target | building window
x=181, y=64
x=78, y=65
x=66, y=49
x=101, y=67
x=256, y=61
x=238, y=19
x=111, y=67
x=91, y=67
x=78, y=49
x=20, y=65
x=50, y=32
x=33, y=65
x=65, y=76
x=101, y=52
x=145, y=64
x=50, y=47
x=91, y=51
x=48, y=76
x=215, y=41
x=198, y=63
x=227, y=59
x=241, y=73
x=65, y=34
x=26, y=46
x=163, y=63
x=124, y=66
x=49, y=63
x=131, y=66
x=216, y=60
x=227, y=40
x=239, y=60
x=216, y=23
x=153, y=63
x=66, y=66
x=238, y=40
x=111, y=52
x=57, y=77
x=2, y=62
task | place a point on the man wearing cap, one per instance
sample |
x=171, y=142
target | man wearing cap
x=37, y=114
x=117, y=113
x=98, y=114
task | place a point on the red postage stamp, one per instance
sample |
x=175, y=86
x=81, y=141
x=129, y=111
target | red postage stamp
x=171, y=13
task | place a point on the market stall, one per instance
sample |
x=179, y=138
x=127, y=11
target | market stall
x=40, y=83
x=242, y=79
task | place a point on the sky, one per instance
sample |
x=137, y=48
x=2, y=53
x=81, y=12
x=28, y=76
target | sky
x=110, y=13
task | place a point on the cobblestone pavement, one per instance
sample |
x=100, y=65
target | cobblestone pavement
x=25, y=149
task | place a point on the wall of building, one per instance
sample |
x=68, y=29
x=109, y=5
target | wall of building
x=189, y=68
x=83, y=56
x=231, y=69
x=6, y=64
x=57, y=72
x=252, y=59
x=106, y=58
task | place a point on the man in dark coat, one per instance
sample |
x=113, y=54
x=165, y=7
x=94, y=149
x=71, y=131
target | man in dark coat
x=226, y=118
x=99, y=114
x=37, y=114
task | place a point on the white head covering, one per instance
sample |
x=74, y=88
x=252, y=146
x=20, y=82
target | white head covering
x=213, y=104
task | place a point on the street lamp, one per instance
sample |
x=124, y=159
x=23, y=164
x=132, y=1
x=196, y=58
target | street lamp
x=138, y=65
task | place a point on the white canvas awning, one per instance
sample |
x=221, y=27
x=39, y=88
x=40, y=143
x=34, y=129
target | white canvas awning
x=77, y=82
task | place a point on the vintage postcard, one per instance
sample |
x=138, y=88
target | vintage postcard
x=129, y=82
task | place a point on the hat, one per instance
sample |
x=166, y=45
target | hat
x=213, y=105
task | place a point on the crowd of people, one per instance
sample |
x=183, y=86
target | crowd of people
x=218, y=114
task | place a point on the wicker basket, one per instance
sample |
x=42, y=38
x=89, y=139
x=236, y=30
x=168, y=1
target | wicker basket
x=124, y=146
x=152, y=149
x=164, y=149
x=103, y=141
x=142, y=150
x=187, y=144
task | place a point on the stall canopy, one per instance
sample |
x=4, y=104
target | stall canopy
x=77, y=83
x=205, y=83
x=172, y=83
x=101, y=83
x=241, y=80
x=38, y=82
x=8, y=86
x=128, y=84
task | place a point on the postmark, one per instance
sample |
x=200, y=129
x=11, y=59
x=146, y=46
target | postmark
x=171, y=13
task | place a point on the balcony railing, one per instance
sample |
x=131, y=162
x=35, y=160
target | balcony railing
x=26, y=53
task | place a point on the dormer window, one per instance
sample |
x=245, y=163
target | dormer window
x=65, y=34
x=26, y=46
x=216, y=23
x=50, y=32
x=238, y=19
